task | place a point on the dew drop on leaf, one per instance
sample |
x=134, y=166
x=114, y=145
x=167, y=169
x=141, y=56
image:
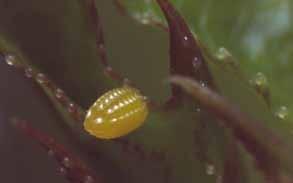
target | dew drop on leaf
x=67, y=162
x=62, y=171
x=71, y=107
x=210, y=169
x=196, y=63
x=59, y=93
x=226, y=57
x=203, y=84
x=50, y=152
x=145, y=17
x=11, y=59
x=41, y=78
x=223, y=53
x=282, y=113
x=260, y=80
x=261, y=84
x=28, y=72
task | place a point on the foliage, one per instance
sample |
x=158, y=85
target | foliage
x=188, y=142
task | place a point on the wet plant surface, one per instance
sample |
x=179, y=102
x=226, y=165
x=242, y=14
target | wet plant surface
x=208, y=122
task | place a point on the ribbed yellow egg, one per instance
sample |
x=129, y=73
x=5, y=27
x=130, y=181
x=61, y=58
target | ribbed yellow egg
x=116, y=113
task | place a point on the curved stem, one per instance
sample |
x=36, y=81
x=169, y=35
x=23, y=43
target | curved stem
x=265, y=146
x=74, y=169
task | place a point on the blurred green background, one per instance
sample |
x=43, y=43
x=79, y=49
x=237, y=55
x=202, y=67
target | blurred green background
x=258, y=33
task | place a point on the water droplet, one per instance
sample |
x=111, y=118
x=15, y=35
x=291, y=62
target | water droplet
x=41, y=78
x=145, y=20
x=62, y=171
x=11, y=59
x=226, y=57
x=210, y=169
x=71, y=107
x=260, y=80
x=51, y=152
x=282, y=112
x=67, y=162
x=203, y=84
x=196, y=63
x=223, y=53
x=146, y=17
x=59, y=93
x=28, y=72
x=89, y=179
x=185, y=38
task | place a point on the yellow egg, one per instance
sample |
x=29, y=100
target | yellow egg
x=116, y=113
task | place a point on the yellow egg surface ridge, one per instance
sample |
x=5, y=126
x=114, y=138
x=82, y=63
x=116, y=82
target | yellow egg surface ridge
x=116, y=113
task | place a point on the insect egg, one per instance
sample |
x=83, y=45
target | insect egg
x=116, y=113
